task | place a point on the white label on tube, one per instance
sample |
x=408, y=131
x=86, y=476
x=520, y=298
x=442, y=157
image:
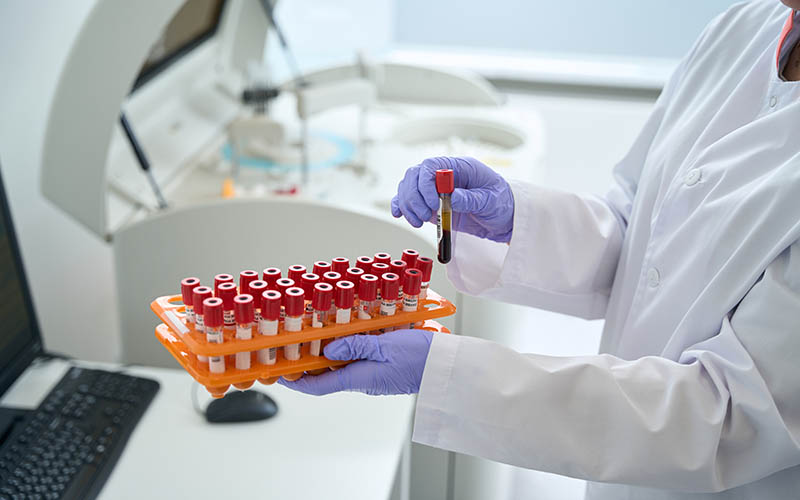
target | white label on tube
x=244, y=333
x=315, y=320
x=216, y=364
x=189, y=314
x=423, y=290
x=242, y=360
x=293, y=323
x=363, y=310
x=410, y=303
x=199, y=325
x=388, y=308
x=229, y=318
x=267, y=327
x=258, y=315
x=268, y=356
x=202, y=359
x=315, y=347
x=292, y=352
x=343, y=315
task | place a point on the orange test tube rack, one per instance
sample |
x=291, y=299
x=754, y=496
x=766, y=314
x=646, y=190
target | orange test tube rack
x=185, y=343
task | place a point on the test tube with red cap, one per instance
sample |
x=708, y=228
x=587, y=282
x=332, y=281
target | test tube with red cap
x=411, y=286
x=294, y=306
x=340, y=265
x=268, y=325
x=367, y=296
x=409, y=257
x=199, y=294
x=307, y=282
x=399, y=267
x=382, y=257
x=245, y=278
x=220, y=279
x=364, y=263
x=390, y=287
x=353, y=275
x=425, y=267
x=271, y=275
x=343, y=300
x=257, y=287
x=187, y=288
x=296, y=272
x=227, y=291
x=378, y=269
x=282, y=285
x=212, y=310
x=331, y=278
x=245, y=316
x=323, y=296
x=444, y=185
x=321, y=267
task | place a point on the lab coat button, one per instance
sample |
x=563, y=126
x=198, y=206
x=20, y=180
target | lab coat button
x=693, y=177
x=773, y=101
x=653, y=277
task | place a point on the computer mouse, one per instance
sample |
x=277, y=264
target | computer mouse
x=241, y=406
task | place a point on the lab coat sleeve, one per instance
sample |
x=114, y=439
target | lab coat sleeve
x=726, y=413
x=565, y=247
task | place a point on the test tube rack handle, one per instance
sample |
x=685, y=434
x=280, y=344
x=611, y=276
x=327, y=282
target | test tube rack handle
x=185, y=343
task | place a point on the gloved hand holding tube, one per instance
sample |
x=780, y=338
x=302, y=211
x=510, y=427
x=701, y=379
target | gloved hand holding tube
x=482, y=201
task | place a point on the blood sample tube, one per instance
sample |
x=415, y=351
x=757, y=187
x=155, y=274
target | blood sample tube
x=257, y=287
x=367, y=296
x=383, y=257
x=353, y=275
x=187, y=288
x=390, y=287
x=321, y=267
x=227, y=291
x=268, y=325
x=323, y=295
x=378, y=269
x=282, y=285
x=271, y=275
x=212, y=310
x=344, y=297
x=411, y=287
x=293, y=302
x=245, y=315
x=307, y=282
x=444, y=185
x=220, y=279
x=364, y=263
x=410, y=257
x=331, y=278
x=425, y=266
x=199, y=294
x=245, y=278
x=340, y=265
x=399, y=268
x=295, y=272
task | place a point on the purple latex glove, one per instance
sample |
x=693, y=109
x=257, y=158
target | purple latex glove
x=392, y=363
x=483, y=204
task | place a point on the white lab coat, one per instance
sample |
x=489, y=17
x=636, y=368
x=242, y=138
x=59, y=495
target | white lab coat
x=693, y=260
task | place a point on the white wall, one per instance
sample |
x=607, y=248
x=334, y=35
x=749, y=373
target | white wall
x=62, y=259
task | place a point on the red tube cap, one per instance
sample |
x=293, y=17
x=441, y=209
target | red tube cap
x=294, y=301
x=364, y=263
x=390, y=286
x=410, y=257
x=354, y=274
x=383, y=257
x=284, y=284
x=345, y=294
x=321, y=267
x=295, y=272
x=368, y=287
x=212, y=312
x=340, y=265
x=398, y=267
x=245, y=278
x=227, y=291
x=323, y=294
x=331, y=277
x=379, y=268
x=271, y=305
x=257, y=287
x=271, y=275
x=425, y=266
x=199, y=294
x=219, y=279
x=187, y=286
x=412, y=281
x=445, y=181
x=244, y=308
x=307, y=282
